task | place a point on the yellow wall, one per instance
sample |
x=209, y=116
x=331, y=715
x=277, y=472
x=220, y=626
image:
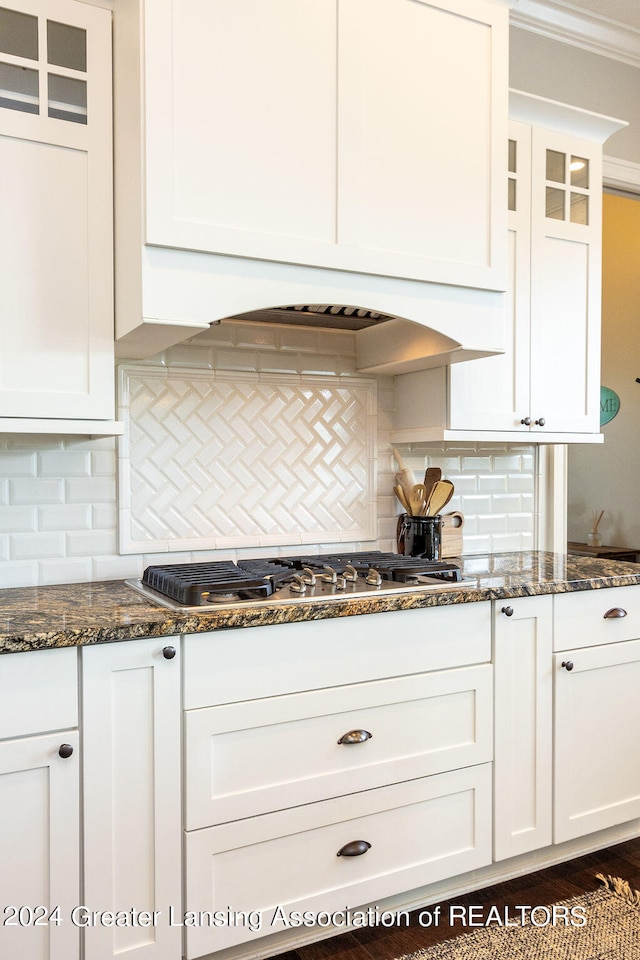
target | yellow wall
x=608, y=477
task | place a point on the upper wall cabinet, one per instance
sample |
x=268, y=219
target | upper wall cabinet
x=351, y=135
x=546, y=386
x=56, y=248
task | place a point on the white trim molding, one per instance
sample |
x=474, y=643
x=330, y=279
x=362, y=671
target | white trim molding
x=621, y=174
x=567, y=23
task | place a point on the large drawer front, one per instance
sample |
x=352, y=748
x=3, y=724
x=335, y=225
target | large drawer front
x=420, y=832
x=38, y=692
x=249, y=758
x=247, y=664
x=588, y=618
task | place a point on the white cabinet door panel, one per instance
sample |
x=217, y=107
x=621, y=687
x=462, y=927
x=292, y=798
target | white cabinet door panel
x=40, y=844
x=597, y=714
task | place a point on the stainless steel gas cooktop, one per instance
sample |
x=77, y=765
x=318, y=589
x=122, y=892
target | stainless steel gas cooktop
x=205, y=586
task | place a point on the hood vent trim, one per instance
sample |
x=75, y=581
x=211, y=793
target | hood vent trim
x=318, y=315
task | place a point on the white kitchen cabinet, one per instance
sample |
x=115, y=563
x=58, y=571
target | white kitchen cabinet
x=315, y=135
x=39, y=805
x=546, y=385
x=56, y=250
x=132, y=816
x=522, y=809
x=597, y=711
x=333, y=739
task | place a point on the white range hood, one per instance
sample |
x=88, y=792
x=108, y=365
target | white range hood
x=412, y=325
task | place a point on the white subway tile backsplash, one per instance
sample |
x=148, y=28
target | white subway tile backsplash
x=88, y=543
x=15, y=464
x=64, y=463
x=116, y=568
x=18, y=519
x=36, y=491
x=65, y=516
x=90, y=490
x=18, y=574
x=33, y=546
x=65, y=570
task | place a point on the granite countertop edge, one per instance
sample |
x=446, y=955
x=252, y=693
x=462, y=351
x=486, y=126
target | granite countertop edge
x=63, y=615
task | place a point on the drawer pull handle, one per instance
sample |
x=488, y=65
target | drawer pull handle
x=567, y=664
x=355, y=736
x=169, y=653
x=615, y=613
x=508, y=611
x=65, y=750
x=354, y=849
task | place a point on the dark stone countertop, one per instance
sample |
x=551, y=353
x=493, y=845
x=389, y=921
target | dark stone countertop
x=36, y=618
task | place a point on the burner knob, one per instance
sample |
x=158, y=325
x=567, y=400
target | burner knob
x=373, y=578
x=308, y=576
x=350, y=573
x=330, y=575
x=299, y=584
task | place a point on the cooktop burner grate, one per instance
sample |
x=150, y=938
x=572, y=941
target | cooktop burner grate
x=196, y=583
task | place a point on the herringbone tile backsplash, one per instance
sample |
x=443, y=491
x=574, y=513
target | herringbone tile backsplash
x=220, y=460
x=235, y=436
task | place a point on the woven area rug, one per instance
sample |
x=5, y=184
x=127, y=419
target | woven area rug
x=602, y=925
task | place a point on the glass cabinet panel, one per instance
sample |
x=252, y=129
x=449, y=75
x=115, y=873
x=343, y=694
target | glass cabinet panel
x=555, y=166
x=20, y=83
x=18, y=34
x=19, y=88
x=67, y=98
x=568, y=198
x=66, y=46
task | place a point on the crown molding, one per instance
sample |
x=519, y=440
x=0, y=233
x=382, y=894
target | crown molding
x=621, y=174
x=562, y=21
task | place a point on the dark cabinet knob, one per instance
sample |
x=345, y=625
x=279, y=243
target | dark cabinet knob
x=355, y=736
x=615, y=613
x=169, y=653
x=541, y=422
x=568, y=665
x=508, y=611
x=65, y=750
x=526, y=422
x=354, y=849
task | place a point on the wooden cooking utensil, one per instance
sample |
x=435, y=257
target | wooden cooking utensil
x=399, y=492
x=404, y=477
x=432, y=474
x=417, y=499
x=441, y=493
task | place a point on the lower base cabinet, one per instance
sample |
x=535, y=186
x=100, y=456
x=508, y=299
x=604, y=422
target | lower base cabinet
x=597, y=708
x=132, y=808
x=319, y=857
x=523, y=648
x=40, y=844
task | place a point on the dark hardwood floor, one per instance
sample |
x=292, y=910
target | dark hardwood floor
x=541, y=888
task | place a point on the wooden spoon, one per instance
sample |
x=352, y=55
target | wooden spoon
x=399, y=492
x=441, y=493
x=417, y=499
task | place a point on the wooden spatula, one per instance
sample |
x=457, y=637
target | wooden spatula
x=399, y=492
x=441, y=493
x=432, y=474
x=417, y=499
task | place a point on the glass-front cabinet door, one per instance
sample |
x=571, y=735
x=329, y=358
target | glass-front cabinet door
x=56, y=274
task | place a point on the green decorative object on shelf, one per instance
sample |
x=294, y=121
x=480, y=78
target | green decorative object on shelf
x=609, y=404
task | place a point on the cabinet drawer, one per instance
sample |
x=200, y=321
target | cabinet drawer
x=580, y=619
x=246, y=759
x=38, y=691
x=420, y=832
x=233, y=665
